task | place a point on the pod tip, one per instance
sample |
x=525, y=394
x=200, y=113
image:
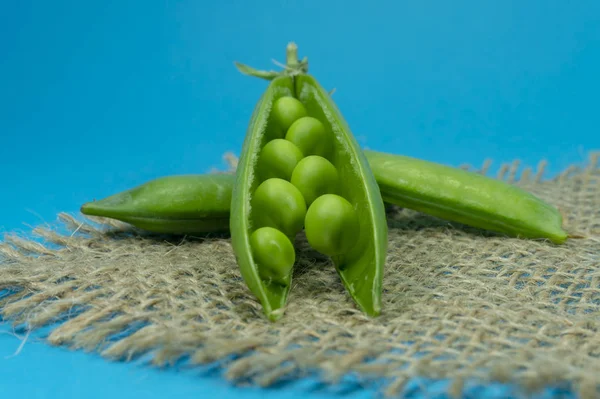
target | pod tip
x=275, y=315
x=86, y=208
x=91, y=209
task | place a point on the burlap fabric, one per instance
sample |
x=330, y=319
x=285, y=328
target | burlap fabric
x=459, y=303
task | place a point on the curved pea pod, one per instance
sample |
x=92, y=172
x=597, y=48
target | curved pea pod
x=457, y=195
x=432, y=188
x=182, y=204
x=296, y=108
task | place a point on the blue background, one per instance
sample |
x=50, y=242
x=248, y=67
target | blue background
x=96, y=97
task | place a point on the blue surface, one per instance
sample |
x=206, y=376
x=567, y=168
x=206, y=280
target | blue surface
x=97, y=97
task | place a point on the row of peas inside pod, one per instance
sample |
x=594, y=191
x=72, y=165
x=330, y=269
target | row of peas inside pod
x=297, y=187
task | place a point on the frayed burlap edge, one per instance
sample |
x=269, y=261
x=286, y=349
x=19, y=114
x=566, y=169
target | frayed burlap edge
x=459, y=303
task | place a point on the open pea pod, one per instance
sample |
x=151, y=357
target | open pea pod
x=301, y=169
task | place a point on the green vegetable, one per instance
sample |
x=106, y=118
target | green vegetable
x=470, y=198
x=301, y=167
x=316, y=127
x=310, y=136
x=184, y=204
x=279, y=204
x=274, y=251
x=332, y=225
x=200, y=203
x=286, y=110
x=315, y=176
x=278, y=158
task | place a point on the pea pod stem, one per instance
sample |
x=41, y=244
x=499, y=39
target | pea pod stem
x=292, y=67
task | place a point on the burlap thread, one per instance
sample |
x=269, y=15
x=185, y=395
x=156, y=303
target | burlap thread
x=459, y=303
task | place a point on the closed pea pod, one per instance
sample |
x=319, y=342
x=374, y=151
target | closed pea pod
x=179, y=204
x=460, y=196
x=195, y=204
x=295, y=100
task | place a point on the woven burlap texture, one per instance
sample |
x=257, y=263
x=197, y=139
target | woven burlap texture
x=458, y=302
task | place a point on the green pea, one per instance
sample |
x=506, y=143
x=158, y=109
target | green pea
x=273, y=253
x=286, y=110
x=310, y=135
x=277, y=203
x=278, y=158
x=331, y=225
x=315, y=176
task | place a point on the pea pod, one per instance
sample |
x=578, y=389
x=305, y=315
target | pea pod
x=184, y=204
x=346, y=222
x=466, y=197
x=432, y=188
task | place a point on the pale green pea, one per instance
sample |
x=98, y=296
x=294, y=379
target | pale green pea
x=277, y=203
x=310, y=135
x=315, y=176
x=273, y=253
x=331, y=225
x=278, y=158
x=286, y=110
